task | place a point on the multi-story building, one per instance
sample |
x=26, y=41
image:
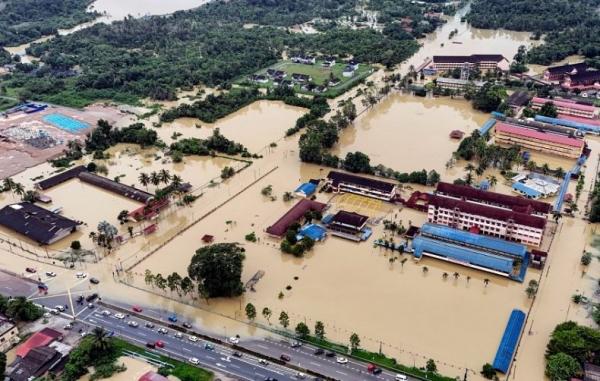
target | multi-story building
x=493, y=221
x=347, y=183
x=495, y=214
x=457, y=84
x=534, y=140
x=589, y=80
x=566, y=107
x=482, y=62
x=9, y=334
x=558, y=73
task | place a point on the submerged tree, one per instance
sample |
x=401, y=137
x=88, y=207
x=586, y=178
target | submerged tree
x=218, y=269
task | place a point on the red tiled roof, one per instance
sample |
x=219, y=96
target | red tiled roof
x=565, y=69
x=562, y=103
x=152, y=376
x=488, y=211
x=534, y=134
x=38, y=339
x=516, y=204
x=294, y=214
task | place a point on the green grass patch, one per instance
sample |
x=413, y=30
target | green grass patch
x=181, y=370
x=322, y=343
x=391, y=364
x=320, y=76
x=6, y=103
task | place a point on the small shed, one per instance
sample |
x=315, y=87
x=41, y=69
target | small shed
x=207, y=238
x=457, y=134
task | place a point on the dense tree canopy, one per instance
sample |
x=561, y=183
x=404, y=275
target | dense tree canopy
x=573, y=26
x=105, y=136
x=154, y=56
x=218, y=270
x=27, y=20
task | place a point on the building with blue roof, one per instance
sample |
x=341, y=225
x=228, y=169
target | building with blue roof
x=526, y=191
x=509, y=342
x=306, y=189
x=480, y=252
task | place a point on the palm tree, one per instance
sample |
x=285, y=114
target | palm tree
x=18, y=189
x=100, y=340
x=559, y=172
x=445, y=276
x=425, y=269
x=493, y=180
x=486, y=281
x=557, y=215
x=531, y=165
x=164, y=176
x=469, y=168
x=456, y=276
x=144, y=179
x=8, y=184
x=155, y=178
x=176, y=182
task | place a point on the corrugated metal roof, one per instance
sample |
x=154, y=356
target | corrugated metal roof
x=294, y=214
x=462, y=254
x=530, y=192
x=572, y=105
x=510, y=339
x=466, y=238
x=534, y=134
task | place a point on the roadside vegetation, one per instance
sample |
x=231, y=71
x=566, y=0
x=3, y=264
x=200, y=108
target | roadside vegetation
x=19, y=309
x=569, y=27
x=570, y=347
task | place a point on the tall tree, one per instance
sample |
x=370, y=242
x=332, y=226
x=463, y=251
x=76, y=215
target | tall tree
x=218, y=268
x=284, y=319
x=250, y=311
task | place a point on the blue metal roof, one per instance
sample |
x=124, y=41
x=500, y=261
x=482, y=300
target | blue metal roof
x=568, y=123
x=529, y=192
x=307, y=188
x=462, y=254
x=563, y=191
x=313, y=231
x=479, y=241
x=510, y=339
x=487, y=126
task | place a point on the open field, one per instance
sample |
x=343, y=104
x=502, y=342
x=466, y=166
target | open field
x=320, y=76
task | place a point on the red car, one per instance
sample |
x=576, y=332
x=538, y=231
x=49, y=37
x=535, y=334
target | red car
x=137, y=309
x=30, y=270
x=160, y=344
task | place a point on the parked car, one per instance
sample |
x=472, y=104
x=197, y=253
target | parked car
x=120, y=315
x=234, y=340
x=80, y=299
x=192, y=338
x=194, y=360
x=149, y=325
x=237, y=354
x=54, y=311
x=106, y=313
x=90, y=306
x=285, y=358
x=94, y=281
x=400, y=377
x=209, y=346
x=263, y=362
x=270, y=379
x=132, y=323
x=300, y=375
x=296, y=344
x=137, y=309
x=81, y=275
x=30, y=270
x=160, y=344
x=91, y=298
x=341, y=360
x=150, y=345
x=50, y=274
x=60, y=308
x=68, y=327
x=186, y=325
x=172, y=318
x=319, y=351
x=179, y=335
x=330, y=354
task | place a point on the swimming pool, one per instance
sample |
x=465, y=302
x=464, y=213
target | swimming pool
x=65, y=123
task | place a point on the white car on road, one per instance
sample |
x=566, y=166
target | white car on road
x=81, y=275
x=120, y=316
x=194, y=360
x=132, y=323
x=341, y=360
x=192, y=338
x=234, y=340
x=60, y=308
x=106, y=313
x=50, y=274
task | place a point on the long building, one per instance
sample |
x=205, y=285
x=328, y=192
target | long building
x=493, y=255
x=558, y=73
x=497, y=200
x=588, y=80
x=347, y=183
x=534, y=140
x=37, y=224
x=566, y=107
x=483, y=62
x=503, y=216
x=280, y=227
x=457, y=84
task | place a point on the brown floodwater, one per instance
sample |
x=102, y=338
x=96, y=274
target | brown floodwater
x=118, y=9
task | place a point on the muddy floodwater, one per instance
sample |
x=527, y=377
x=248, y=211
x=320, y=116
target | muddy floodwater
x=118, y=9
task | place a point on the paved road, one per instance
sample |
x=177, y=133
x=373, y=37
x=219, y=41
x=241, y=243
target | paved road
x=246, y=368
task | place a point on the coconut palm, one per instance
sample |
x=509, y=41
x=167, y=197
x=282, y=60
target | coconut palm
x=155, y=178
x=8, y=184
x=425, y=269
x=100, y=340
x=445, y=276
x=176, y=182
x=493, y=180
x=18, y=189
x=144, y=179
x=469, y=168
x=486, y=281
x=164, y=176
x=456, y=276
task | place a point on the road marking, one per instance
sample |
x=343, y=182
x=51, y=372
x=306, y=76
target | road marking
x=314, y=363
x=345, y=374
